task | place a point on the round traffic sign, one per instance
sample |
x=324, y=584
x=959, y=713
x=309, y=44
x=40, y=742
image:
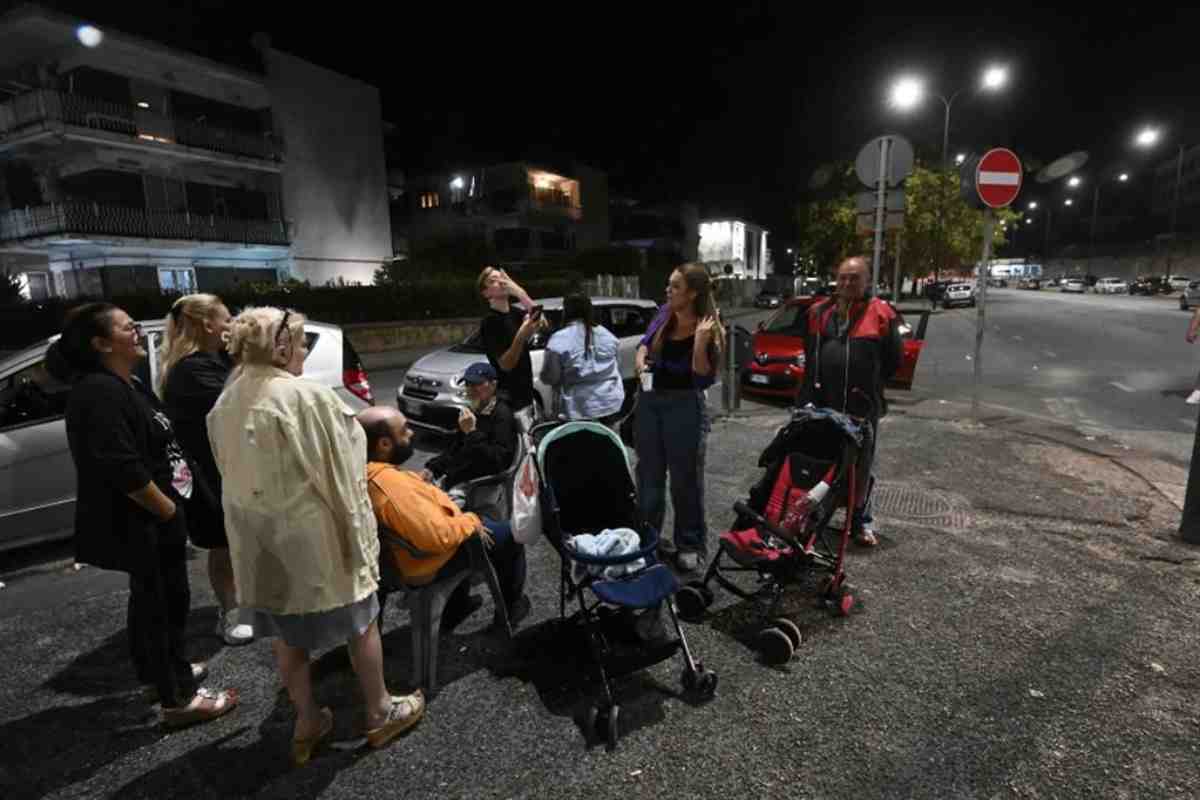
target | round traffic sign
x=998, y=177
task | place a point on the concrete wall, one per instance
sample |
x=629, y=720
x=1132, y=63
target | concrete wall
x=334, y=179
x=379, y=337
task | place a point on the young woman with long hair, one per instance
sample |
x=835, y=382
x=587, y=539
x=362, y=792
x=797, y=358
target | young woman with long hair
x=681, y=350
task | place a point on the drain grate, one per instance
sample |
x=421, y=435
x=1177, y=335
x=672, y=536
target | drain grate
x=905, y=501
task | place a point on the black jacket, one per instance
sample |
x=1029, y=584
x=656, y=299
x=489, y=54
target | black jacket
x=487, y=450
x=868, y=353
x=120, y=441
x=191, y=391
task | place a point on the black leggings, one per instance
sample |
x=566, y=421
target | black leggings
x=159, y=600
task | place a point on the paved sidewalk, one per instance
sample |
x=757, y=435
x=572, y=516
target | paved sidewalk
x=1027, y=628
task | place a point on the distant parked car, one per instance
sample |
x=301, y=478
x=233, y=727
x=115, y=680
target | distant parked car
x=1111, y=286
x=1030, y=283
x=1190, y=296
x=1179, y=282
x=958, y=294
x=1075, y=285
x=1150, y=285
x=766, y=299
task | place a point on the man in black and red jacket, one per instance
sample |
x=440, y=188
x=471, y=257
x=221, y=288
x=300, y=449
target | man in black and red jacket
x=852, y=347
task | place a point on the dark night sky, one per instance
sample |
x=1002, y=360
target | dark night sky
x=730, y=107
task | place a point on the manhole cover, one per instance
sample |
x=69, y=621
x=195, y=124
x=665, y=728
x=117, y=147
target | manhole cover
x=905, y=501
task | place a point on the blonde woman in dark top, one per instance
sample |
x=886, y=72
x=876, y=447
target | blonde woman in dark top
x=193, y=372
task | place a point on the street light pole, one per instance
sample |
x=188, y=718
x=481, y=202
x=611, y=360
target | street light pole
x=1175, y=207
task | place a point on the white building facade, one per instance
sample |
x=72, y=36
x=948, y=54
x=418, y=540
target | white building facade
x=737, y=244
x=130, y=166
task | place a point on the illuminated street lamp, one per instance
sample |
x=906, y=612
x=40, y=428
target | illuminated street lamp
x=960, y=158
x=909, y=90
x=89, y=35
x=1124, y=176
x=1032, y=204
x=1068, y=202
x=1074, y=181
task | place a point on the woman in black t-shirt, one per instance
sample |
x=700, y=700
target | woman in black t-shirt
x=194, y=369
x=132, y=481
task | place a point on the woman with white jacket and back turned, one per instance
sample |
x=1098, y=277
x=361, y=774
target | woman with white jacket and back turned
x=581, y=362
x=301, y=530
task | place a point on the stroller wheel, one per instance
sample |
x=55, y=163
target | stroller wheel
x=775, y=646
x=708, y=684
x=845, y=605
x=790, y=629
x=593, y=714
x=612, y=721
x=690, y=601
x=704, y=591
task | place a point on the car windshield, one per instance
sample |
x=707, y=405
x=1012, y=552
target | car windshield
x=788, y=320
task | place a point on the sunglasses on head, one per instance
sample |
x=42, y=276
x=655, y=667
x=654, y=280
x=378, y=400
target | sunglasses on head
x=282, y=327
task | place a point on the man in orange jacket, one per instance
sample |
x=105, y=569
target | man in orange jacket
x=431, y=525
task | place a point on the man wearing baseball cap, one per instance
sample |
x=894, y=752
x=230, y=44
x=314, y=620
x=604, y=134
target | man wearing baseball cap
x=487, y=433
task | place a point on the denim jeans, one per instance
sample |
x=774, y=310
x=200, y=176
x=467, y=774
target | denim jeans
x=671, y=435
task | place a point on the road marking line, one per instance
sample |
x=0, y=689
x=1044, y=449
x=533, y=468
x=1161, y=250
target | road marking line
x=1120, y=386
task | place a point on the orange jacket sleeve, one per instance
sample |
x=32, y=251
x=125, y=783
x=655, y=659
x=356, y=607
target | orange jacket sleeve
x=421, y=513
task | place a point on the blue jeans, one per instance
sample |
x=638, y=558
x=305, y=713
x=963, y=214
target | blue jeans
x=671, y=435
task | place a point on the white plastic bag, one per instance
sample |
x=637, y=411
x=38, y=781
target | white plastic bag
x=526, y=506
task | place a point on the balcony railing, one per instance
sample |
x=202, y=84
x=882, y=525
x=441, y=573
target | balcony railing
x=47, y=105
x=94, y=219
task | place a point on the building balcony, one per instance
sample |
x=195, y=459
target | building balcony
x=42, y=108
x=85, y=221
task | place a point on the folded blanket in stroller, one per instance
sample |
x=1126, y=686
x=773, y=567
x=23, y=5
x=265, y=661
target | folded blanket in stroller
x=609, y=543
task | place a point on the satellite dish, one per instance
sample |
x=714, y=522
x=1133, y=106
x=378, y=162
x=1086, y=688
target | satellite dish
x=821, y=177
x=1062, y=166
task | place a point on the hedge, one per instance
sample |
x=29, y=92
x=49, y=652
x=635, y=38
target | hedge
x=444, y=298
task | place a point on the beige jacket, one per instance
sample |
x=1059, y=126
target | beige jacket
x=293, y=464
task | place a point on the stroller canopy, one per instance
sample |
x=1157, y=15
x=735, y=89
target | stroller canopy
x=819, y=432
x=586, y=468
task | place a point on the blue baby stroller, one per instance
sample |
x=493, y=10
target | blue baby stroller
x=587, y=486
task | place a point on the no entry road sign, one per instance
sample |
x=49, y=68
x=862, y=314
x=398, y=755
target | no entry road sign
x=998, y=177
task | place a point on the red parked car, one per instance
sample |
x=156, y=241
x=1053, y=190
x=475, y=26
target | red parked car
x=777, y=358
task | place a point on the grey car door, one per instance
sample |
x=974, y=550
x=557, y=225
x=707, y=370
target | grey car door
x=37, y=477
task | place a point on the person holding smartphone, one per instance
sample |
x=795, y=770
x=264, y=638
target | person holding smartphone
x=506, y=332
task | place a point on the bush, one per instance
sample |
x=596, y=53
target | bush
x=342, y=305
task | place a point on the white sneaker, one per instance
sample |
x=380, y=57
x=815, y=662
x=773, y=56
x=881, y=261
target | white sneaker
x=232, y=632
x=1194, y=398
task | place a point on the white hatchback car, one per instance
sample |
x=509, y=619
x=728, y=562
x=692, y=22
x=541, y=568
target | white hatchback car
x=1111, y=286
x=433, y=392
x=37, y=476
x=1073, y=285
x=958, y=294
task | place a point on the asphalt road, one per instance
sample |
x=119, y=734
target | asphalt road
x=1105, y=364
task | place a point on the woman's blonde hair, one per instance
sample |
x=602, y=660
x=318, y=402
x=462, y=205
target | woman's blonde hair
x=256, y=336
x=696, y=278
x=185, y=331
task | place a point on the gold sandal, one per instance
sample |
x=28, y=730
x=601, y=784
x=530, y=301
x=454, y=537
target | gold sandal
x=303, y=749
x=405, y=712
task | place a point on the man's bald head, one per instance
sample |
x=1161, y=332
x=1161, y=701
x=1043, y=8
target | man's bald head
x=386, y=430
x=852, y=279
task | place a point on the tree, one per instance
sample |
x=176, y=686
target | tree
x=439, y=256
x=10, y=289
x=826, y=232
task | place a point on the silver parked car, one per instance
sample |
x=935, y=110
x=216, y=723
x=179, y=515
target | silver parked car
x=37, y=476
x=433, y=392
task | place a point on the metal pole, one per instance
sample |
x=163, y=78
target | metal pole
x=989, y=225
x=896, y=270
x=1174, y=207
x=880, y=208
x=946, y=134
x=1092, y=241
